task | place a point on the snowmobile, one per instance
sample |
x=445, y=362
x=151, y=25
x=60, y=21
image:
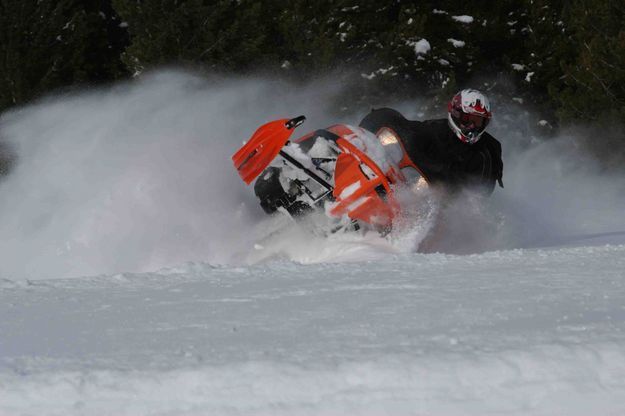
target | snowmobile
x=347, y=172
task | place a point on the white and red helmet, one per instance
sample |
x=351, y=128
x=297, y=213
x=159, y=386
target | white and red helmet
x=468, y=114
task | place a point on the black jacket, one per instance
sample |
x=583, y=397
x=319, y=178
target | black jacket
x=440, y=156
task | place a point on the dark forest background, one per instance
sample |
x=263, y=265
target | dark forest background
x=564, y=60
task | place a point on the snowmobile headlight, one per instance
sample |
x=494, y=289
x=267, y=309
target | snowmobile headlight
x=387, y=137
x=421, y=184
x=414, y=178
x=391, y=144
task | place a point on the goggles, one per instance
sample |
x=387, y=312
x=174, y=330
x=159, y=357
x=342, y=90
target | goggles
x=471, y=123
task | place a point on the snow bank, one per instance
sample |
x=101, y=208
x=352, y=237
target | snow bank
x=517, y=332
x=574, y=380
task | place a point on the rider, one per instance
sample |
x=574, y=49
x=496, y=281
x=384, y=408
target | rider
x=455, y=152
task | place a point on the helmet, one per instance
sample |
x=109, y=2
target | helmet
x=468, y=114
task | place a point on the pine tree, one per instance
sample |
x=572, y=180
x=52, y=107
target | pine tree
x=220, y=34
x=593, y=85
x=46, y=45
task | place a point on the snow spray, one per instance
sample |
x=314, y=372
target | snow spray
x=137, y=177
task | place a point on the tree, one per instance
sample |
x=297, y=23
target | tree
x=593, y=84
x=45, y=45
x=220, y=34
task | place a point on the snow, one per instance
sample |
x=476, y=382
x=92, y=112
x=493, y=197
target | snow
x=290, y=173
x=379, y=71
x=371, y=146
x=518, y=67
x=516, y=332
x=528, y=77
x=421, y=47
x=456, y=43
x=322, y=148
x=463, y=19
x=384, y=71
x=153, y=283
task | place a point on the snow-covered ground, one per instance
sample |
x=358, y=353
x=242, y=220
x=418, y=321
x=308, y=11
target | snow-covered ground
x=537, y=331
x=139, y=276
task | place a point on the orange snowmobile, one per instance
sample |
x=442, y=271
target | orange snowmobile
x=348, y=172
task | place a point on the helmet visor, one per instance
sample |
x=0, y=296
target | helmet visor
x=472, y=123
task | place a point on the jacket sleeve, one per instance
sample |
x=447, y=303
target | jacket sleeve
x=416, y=138
x=383, y=117
x=482, y=170
x=494, y=148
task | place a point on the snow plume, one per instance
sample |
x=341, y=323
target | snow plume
x=137, y=176
x=556, y=193
x=562, y=190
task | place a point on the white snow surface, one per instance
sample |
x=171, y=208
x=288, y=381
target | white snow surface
x=536, y=331
x=138, y=275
